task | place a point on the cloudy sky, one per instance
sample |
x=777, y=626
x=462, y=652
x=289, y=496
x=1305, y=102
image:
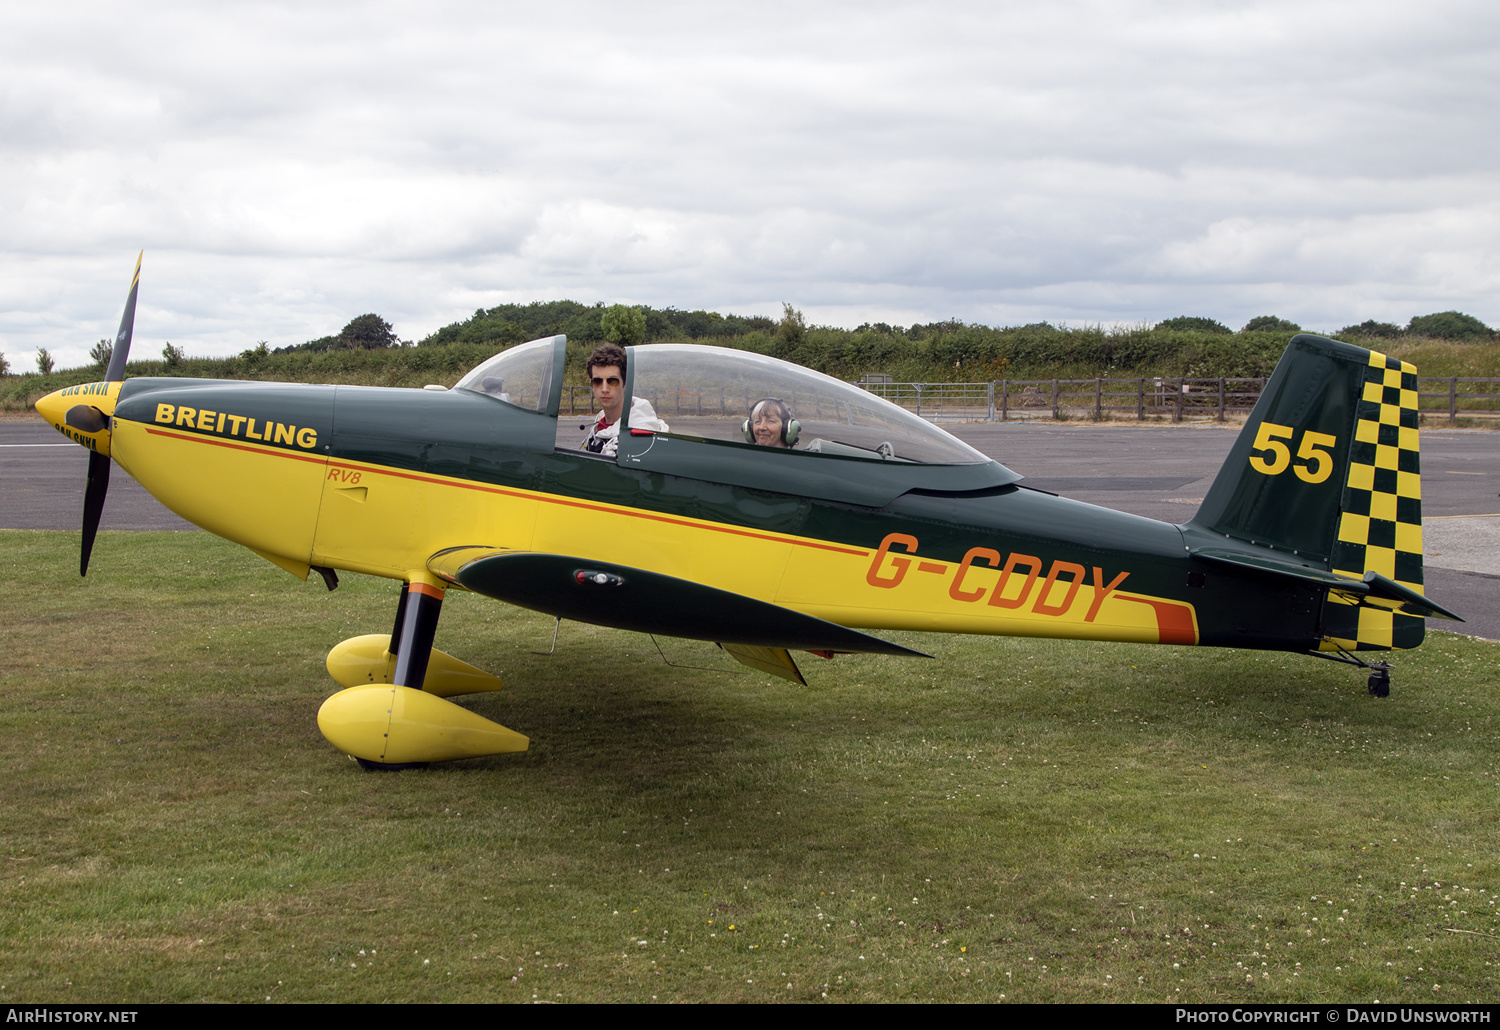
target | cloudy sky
x=288, y=166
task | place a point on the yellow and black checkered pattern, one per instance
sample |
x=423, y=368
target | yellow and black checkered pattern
x=1380, y=527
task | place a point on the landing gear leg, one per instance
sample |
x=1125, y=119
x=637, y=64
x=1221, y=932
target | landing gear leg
x=411, y=641
x=416, y=626
x=393, y=712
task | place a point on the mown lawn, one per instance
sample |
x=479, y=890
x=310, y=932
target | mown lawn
x=1018, y=820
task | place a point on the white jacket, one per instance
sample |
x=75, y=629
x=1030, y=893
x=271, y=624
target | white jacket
x=605, y=439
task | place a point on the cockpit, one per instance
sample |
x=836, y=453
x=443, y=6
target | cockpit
x=708, y=396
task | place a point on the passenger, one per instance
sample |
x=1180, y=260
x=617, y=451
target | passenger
x=606, y=373
x=771, y=424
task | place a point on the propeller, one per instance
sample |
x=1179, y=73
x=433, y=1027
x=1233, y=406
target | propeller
x=89, y=419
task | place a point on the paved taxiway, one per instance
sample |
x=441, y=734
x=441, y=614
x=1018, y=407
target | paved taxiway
x=1161, y=472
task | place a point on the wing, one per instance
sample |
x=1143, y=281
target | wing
x=622, y=597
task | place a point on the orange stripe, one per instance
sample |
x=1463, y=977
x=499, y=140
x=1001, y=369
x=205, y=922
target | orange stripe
x=273, y=451
x=1174, y=622
x=430, y=591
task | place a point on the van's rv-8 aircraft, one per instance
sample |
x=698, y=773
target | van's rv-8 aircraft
x=1309, y=540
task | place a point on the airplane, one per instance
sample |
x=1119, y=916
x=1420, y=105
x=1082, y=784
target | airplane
x=1308, y=541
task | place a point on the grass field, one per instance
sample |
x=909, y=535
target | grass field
x=1018, y=820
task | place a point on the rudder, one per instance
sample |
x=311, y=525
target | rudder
x=1380, y=527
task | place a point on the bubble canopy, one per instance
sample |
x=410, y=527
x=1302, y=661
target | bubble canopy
x=850, y=446
x=528, y=375
x=708, y=393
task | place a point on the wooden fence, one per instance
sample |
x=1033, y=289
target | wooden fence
x=1446, y=397
x=1441, y=398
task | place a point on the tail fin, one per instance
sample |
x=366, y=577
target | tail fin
x=1327, y=473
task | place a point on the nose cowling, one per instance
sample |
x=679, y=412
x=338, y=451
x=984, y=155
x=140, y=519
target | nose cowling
x=82, y=413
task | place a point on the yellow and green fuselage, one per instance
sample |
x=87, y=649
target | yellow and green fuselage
x=1320, y=492
x=377, y=481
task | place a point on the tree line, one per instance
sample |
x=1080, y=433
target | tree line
x=948, y=349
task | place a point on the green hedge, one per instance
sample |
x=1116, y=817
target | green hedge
x=939, y=352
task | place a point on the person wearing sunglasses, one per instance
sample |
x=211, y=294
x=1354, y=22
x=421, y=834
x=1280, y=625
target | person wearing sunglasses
x=606, y=375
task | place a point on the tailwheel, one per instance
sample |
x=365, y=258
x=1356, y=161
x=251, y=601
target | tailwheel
x=1380, y=672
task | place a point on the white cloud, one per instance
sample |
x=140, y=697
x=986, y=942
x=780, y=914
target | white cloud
x=290, y=166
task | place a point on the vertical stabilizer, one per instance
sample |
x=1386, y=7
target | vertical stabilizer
x=1326, y=474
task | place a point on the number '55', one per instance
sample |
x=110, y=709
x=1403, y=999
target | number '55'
x=1269, y=437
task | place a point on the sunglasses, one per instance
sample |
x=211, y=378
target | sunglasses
x=612, y=381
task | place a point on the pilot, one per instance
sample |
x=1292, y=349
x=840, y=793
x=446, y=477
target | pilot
x=771, y=424
x=606, y=372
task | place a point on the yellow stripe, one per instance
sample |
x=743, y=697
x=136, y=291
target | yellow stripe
x=373, y=519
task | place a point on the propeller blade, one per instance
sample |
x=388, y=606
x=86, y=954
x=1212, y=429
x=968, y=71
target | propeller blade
x=98, y=485
x=93, y=506
x=121, y=352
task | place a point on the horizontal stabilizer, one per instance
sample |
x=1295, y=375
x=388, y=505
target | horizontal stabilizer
x=1373, y=591
x=585, y=590
x=1406, y=600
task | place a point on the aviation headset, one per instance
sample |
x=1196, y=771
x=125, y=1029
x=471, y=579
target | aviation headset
x=790, y=427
